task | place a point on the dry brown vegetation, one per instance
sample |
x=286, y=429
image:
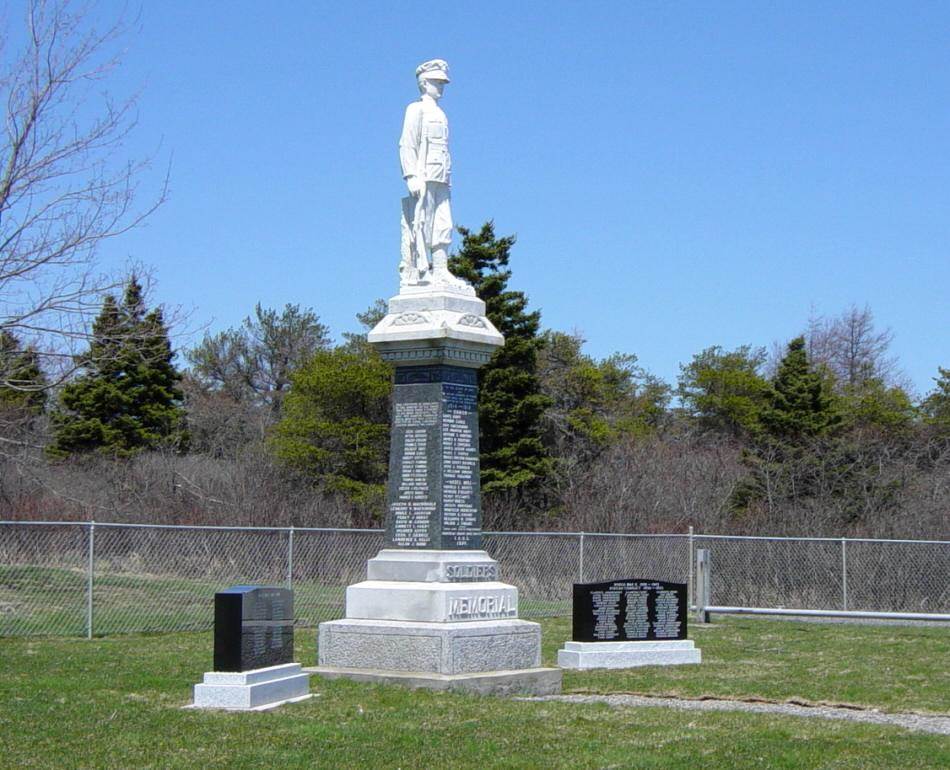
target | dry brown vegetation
x=661, y=483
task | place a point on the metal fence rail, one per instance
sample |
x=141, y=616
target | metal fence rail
x=89, y=579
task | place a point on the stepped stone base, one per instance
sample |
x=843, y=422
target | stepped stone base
x=256, y=690
x=627, y=654
x=431, y=602
x=531, y=681
x=438, y=648
x=430, y=566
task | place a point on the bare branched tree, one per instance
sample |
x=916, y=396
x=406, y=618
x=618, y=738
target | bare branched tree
x=852, y=348
x=64, y=187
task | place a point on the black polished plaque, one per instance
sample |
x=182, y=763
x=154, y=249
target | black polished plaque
x=253, y=627
x=629, y=611
x=433, y=495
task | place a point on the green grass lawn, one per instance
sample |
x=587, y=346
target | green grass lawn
x=893, y=668
x=114, y=702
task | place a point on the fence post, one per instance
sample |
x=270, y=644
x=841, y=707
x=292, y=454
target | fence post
x=703, y=584
x=290, y=559
x=844, y=574
x=90, y=566
x=690, y=592
x=581, y=560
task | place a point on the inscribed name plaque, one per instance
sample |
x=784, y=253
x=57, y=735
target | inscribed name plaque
x=253, y=628
x=629, y=610
x=433, y=492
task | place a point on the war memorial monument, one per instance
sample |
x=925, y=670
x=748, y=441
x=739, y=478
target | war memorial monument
x=433, y=611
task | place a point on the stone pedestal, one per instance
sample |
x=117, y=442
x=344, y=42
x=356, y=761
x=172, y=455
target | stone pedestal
x=436, y=648
x=627, y=654
x=433, y=612
x=255, y=690
x=435, y=629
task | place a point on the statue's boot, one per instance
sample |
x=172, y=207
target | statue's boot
x=441, y=273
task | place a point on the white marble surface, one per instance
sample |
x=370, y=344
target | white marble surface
x=583, y=655
x=253, y=690
x=427, y=170
x=431, y=320
x=431, y=602
x=431, y=566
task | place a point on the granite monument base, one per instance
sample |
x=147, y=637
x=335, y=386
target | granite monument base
x=439, y=648
x=437, y=619
x=255, y=690
x=530, y=681
x=628, y=654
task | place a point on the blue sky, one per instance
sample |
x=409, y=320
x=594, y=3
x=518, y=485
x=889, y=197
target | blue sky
x=678, y=175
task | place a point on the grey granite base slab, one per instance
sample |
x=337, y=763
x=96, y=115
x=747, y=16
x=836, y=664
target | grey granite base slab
x=534, y=681
x=628, y=654
x=255, y=690
x=438, y=648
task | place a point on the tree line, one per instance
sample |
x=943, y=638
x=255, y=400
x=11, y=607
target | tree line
x=273, y=423
x=821, y=436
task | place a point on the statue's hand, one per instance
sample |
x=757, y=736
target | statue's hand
x=415, y=185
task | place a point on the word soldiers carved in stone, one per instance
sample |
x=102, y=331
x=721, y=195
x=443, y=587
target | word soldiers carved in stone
x=427, y=170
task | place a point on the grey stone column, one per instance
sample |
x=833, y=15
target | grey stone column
x=433, y=498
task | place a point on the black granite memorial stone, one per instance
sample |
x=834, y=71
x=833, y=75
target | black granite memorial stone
x=253, y=628
x=629, y=611
x=433, y=495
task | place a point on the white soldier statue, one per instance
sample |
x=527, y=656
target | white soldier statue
x=427, y=169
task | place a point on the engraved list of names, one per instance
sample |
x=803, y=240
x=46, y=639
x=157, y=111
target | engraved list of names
x=414, y=505
x=433, y=490
x=629, y=610
x=460, y=520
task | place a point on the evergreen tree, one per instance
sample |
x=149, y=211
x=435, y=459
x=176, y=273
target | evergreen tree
x=22, y=382
x=799, y=409
x=595, y=403
x=873, y=405
x=724, y=390
x=936, y=407
x=355, y=342
x=510, y=401
x=128, y=397
x=801, y=402
x=335, y=423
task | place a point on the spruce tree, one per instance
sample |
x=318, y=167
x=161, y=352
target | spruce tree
x=128, y=397
x=801, y=401
x=22, y=382
x=510, y=401
x=800, y=408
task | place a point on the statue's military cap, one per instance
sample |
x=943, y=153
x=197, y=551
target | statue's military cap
x=434, y=69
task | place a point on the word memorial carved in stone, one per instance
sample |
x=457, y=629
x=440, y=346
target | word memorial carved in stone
x=253, y=627
x=629, y=610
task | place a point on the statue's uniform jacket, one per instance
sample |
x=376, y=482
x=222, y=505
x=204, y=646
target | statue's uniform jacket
x=424, y=152
x=425, y=130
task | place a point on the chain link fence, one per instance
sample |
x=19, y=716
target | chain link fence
x=99, y=579
x=829, y=573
